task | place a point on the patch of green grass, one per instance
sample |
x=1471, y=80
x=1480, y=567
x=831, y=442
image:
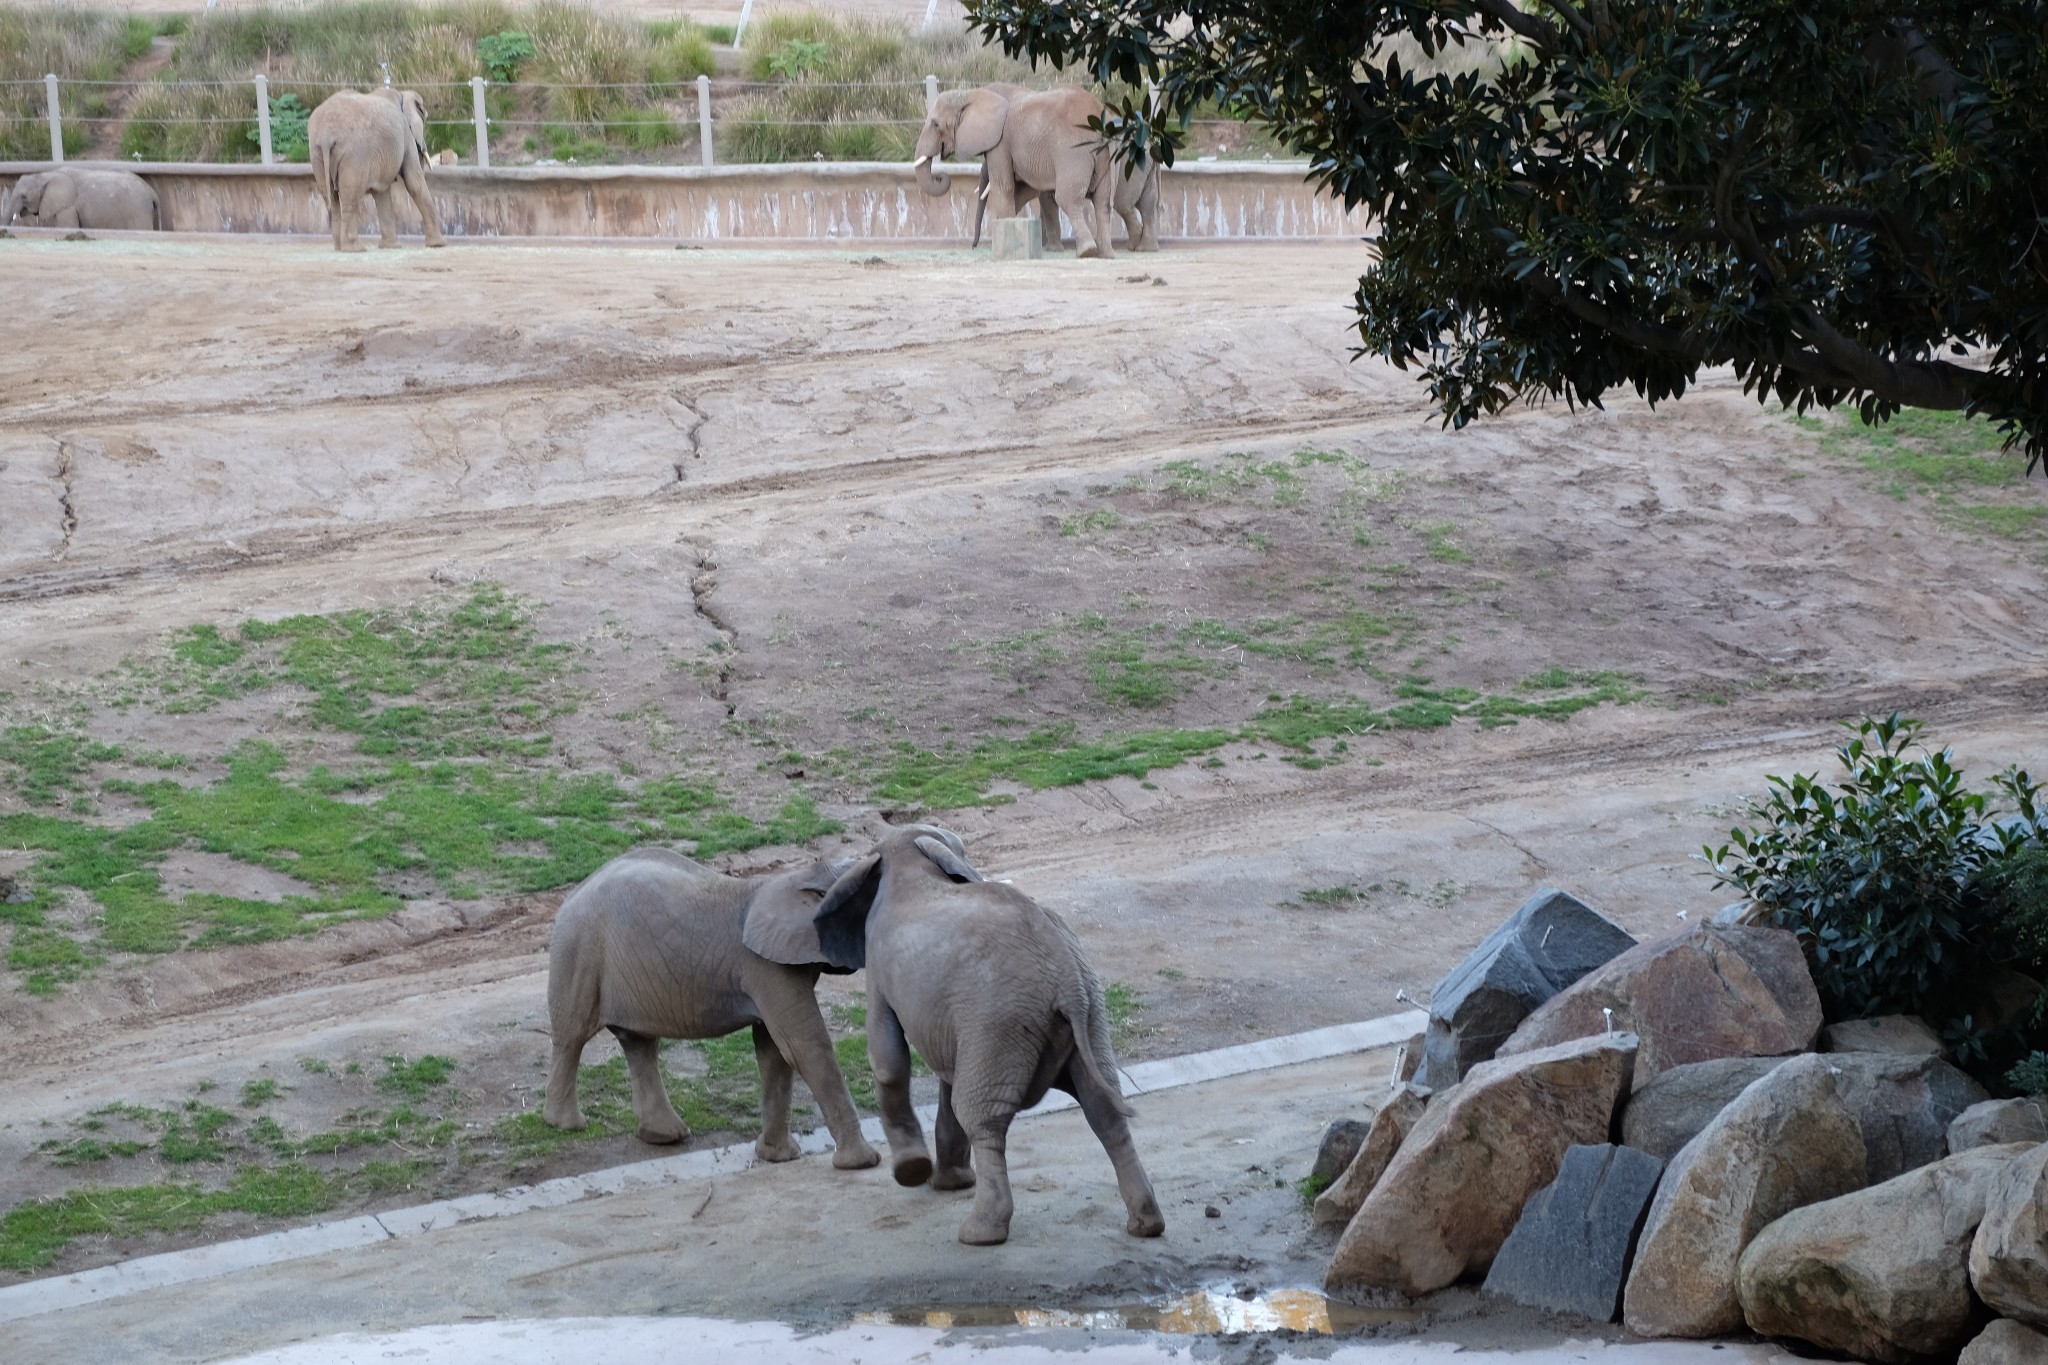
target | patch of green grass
x=1310, y=1186
x=2011, y=520
x=32, y=1234
x=1100, y=519
x=86, y=1150
x=413, y=1079
x=1952, y=459
x=257, y=1093
x=1332, y=895
x=45, y=766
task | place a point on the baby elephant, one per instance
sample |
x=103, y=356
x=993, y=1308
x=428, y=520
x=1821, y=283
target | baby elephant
x=992, y=990
x=84, y=197
x=654, y=945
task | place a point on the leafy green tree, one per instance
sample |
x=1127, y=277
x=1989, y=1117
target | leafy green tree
x=1845, y=200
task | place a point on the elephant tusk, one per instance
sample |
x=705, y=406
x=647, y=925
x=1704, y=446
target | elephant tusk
x=984, y=193
x=920, y=163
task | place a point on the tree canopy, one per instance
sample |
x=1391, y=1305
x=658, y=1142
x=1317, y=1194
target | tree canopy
x=1845, y=200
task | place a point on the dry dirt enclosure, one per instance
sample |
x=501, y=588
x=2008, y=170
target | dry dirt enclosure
x=352, y=607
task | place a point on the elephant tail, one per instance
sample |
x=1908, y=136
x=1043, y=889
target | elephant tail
x=324, y=171
x=1086, y=1014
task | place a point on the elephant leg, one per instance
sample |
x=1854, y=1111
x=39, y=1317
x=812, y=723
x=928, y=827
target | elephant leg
x=889, y=1055
x=387, y=220
x=416, y=186
x=659, y=1122
x=956, y=1162
x=775, y=1143
x=1101, y=210
x=1072, y=196
x=348, y=206
x=65, y=218
x=560, y=1109
x=988, y=1126
x=797, y=1024
x=1049, y=216
x=1114, y=1132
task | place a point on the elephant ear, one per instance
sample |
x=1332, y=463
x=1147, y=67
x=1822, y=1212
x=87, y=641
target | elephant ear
x=416, y=116
x=981, y=123
x=953, y=864
x=779, y=922
x=842, y=917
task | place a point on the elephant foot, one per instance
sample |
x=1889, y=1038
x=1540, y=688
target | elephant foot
x=391, y=245
x=1145, y=1222
x=1149, y=244
x=436, y=241
x=352, y=246
x=1093, y=252
x=568, y=1122
x=912, y=1168
x=785, y=1150
x=978, y=1231
x=857, y=1156
x=953, y=1178
x=664, y=1136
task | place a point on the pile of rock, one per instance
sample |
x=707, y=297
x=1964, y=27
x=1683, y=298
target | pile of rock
x=1664, y=1133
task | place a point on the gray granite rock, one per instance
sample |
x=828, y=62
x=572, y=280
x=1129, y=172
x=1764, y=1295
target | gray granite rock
x=1905, y=1034
x=1570, y=1250
x=1672, y=1109
x=1996, y=1121
x=1904, y=1105
x=1340, y=1143
x=2006, y=1342
x=1552, y=941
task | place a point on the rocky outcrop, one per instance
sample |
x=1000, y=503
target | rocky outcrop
x=1383, y=1137
x=1882, y=1274
x=1671, y=1110
x=1552, y=941
x=1341, y=1141
x=1904, y=1104
x=1905, y=1034
x=1570, y=1251
x=1453, y=1192
x=1710, y=991
x=1995, y=1121
x=2006, y=1342
x=1785, y=1142
x=2009, y=1259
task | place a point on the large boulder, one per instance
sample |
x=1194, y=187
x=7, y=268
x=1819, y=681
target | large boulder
x=1714, y=990
x=1905, y=1034
x=1904, y=1105
x=1552, y=941
x=1453, y=1192
x=1670, y=1111
x=1787, y=1141
x=1882, y=1274
x=2009, y=1259
x=1383, y=1137
x=1340, y=1143
x=1994, y=1121
x=2006, y=1342
x=1569, y=1252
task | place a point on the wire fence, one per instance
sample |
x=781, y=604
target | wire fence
x=702, y=120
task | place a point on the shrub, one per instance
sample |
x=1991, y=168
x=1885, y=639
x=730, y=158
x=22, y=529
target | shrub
x=501, y=54
x=1905, y=891
x=288, y=115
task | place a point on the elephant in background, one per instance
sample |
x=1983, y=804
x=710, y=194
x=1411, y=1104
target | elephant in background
x=995, y=994
x=1135, y=197
x=84, y=197
x=364, y=144
x=655, y=945
x=1039, y=139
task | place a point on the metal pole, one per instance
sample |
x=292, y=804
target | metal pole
x=704, y=112
x=483, y=122
x=739, y=33
x=931, y=94
x=263, y=116
x=56, y=121
x=931, y=10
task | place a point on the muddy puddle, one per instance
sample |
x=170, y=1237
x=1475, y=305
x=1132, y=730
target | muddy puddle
x=1203, y=1311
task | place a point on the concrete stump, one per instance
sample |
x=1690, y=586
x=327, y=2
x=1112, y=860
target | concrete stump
x=1016, y=239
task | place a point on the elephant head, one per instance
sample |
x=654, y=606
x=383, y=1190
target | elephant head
x=25, y=200
x=781, y=914
x=842, y=916
x=962, y=123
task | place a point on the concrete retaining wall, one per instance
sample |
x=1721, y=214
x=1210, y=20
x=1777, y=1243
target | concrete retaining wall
x=832, y=201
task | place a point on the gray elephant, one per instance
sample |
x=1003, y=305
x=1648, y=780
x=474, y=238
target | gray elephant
x=995, y=994
x=1040, y=139
x=364, y=144
x=655, y=945
x=84, y=197
x=1135, y=198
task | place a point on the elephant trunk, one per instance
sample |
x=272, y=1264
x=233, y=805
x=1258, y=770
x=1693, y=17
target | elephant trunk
x=929, y=179
x=9, y=207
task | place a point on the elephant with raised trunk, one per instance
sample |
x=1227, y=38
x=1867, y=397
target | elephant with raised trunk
x=364, y=144
x=994, y=992
x=84, y=197
x=654, y=945
x=1039, y=139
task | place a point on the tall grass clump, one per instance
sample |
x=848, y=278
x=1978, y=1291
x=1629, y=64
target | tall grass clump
x=848, y=89
x=80, y=45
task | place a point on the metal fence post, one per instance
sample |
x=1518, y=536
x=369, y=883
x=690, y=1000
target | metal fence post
x=56, y=120
x=931, y=11
x=739, y=32
x=483, y=122
x=704, y=117
x=931, y=95
x=263, y=116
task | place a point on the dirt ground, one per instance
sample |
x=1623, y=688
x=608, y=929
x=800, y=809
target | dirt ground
x=801, y=513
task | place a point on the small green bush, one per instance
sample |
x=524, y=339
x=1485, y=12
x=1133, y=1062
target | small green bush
x=501, y=54
x=288, y=115
x=1906, y=891
x=2030, y=1077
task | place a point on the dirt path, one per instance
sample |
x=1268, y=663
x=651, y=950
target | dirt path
x=108, y=128
x=800, y=514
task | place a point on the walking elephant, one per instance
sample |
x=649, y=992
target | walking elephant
x=364, y=144
x=995, y=994
x=1038, y=139
x=655, y=945
x=84, y=197
x=1134, y=195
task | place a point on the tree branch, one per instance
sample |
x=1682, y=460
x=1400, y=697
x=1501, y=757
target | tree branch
x=1576, y=21
x=1911, y=383
x=1504, y=13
